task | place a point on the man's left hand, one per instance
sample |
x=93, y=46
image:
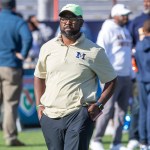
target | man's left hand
x=94, y=111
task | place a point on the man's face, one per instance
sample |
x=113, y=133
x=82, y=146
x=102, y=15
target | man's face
x=70, y=24
x=146, y=6
x=122, y=20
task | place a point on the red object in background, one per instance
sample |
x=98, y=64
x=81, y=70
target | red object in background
x=134, y=64
x=55, y=3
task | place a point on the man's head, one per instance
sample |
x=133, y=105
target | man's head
x=146, y=6
x=120, y=14
x=8, y=4
x=71, y=20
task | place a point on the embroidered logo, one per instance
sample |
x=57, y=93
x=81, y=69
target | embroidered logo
x=80, y=55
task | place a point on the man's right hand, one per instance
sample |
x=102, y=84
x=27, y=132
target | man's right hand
x=19, y=56
x=40, y=111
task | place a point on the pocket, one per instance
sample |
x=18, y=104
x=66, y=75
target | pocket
x=41, y=118
x=86, y=111
x=87, y=114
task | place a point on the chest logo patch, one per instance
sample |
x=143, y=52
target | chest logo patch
x=80, y=55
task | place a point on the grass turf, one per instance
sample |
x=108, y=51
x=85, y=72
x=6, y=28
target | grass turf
x=34, y=140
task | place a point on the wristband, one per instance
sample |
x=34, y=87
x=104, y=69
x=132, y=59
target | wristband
x=100, y=105
x=37, y=107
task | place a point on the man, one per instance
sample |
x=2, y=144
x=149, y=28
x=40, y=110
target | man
x=136, y=24
x=116, y=40
x=142, y=57
x=15, y=42
x=45, y=31
x=66, y=82
x=136, y=31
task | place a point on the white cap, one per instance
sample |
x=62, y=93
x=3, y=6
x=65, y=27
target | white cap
x=119, y=10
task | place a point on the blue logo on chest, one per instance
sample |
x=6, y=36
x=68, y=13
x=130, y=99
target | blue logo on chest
x=80, y=55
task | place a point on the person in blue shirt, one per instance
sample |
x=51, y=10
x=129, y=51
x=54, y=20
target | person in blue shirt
x=136, y=24
x=142, y=57
x=135, y=28
x=15, y=42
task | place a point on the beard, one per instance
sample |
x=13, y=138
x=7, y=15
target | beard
x=71, y=34
x=147, y=11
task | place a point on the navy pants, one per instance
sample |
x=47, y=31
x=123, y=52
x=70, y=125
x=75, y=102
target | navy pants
x=144, y=114
x=72, y=132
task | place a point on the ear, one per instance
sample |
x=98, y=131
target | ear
x=81, y=22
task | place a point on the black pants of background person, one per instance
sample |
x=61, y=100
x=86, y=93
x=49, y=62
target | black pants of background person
x=72, y=132
x=133, y=130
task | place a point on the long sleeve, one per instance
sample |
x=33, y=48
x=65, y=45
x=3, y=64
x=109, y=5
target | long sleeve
x=26, y=37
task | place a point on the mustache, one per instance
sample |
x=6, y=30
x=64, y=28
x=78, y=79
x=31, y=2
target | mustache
x=68, y=26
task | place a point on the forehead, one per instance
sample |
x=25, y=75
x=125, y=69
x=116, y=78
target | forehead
x=67, y=14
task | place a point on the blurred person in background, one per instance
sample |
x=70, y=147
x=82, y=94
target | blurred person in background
x=46, y=31
x=142, y=56
x=135, y=28
x=115, y=38
x=15, y=42
x=66, y=84
x=136, y=24
x=32, y=58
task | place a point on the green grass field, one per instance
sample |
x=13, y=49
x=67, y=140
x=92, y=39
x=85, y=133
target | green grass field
x=34, y=140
